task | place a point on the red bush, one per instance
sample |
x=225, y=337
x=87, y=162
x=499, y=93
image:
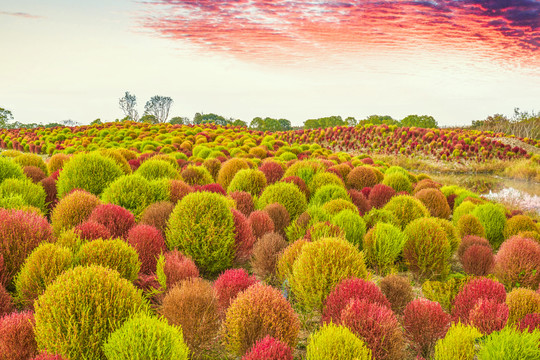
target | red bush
x=261, y=223
x=20, y=233
x=425, y=322
x=489, y=315
x=229, y=284
x=380, y=195
x=530, y=322
x=244, y=202
x=518, y=262
x=360, y=201
x=214, y=188
x=17, y=336
x=269, y=349
x=178, y=189
x=178, y=267
x=475, y=290
x=244, y=238
x=280, y=217
x=34, y=173
x=377, y=326
x=272, y=171
x=361, y=177
x=478, y=260
x=6, y=303
x=149, y=243
x=301, y=184
x=117, y=219
x=347, y=290
x=470, y=240
x=49, y=184
x=91, y=230
x=366, y=191
x=157, y=215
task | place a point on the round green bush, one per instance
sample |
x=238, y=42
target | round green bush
x=229, y=169
x=469, y=224
x=352, y=224
x=493, y=219
x=118, y=159
x=248, y=180
x=32, y=194
x=287, y=194
x=320, y=266
x=146, y=337
x=132, y=192
x=406, y=209
x=157, y=169
x=458, y=343
x=202, y=227
x=81, y=308
x=382, y=246
x=426, y=249
x=517, y=224
x=452, y=233
x=510, y=344
x=10, y=170
x=40, y=269
x=464, y=208
x=398, y=182
x=327, y=193
x=304, y=169
x=324, y=178
x=335, y=206
x=31, y=160
x=375, y=216
x=115, y=254
x=336, y=343
x=160, y=190
x=73, y=210
x=56, y=162
x=91, y=172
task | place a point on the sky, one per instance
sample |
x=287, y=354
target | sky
x=456, y=60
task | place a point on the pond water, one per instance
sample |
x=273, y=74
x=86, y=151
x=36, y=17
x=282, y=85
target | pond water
x=520, y=194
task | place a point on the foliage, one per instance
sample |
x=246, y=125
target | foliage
x=361, y=177
x=149, y=243
x=285, y=194
x=269, y=349
x=489, y=315
x=474, y=291
x=17, y=336
x=157, y=169
x=248, y=180
x=114, y=217
x=382, y=246
x=510, y=344
x=146, y=337
x=79, y=310
x=518, y=263
x=337, y=343
x=352, y=224
x=202, y=227
x=32, y=194
x=458, y=344
x=493, y=220
x=398, y=290
x=229, y=284
x=91, y=172
x=320, y=266
x=406, y=209
x=257, y=312
x=522, y=302
x=10, y=170
x=132, y=192
x=266, y=253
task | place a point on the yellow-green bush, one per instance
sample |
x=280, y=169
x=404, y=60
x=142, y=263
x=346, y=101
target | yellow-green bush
x=248, y=180
x=328, y=193
x=324, y=178
x=56, y=162
x=88, y=171
x=32, y=194
x=320, y=266
x=338, y=205
x=522, y=301
x=458, y=343
x=406, y=209
x=40, y=269
x=132, y=192
x=115, y=254
x=469, y=224
x=382, y=246
x=517, y=224
x=31, y=160
x=157, y=169
x=72, y=210
x=510, y=344
x=398, y=182
x=286, y=194
x=229, y=169
x=336, y=343
x=493, y=219
x=352, y=224
x=202, y=227
x=81, y=308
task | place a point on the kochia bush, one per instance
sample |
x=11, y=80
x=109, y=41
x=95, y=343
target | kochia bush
x=361, y=177
x=287, y=195
x=248, y=180
x=81, y=308
x=202, y=227
x=259, y=311
x=320, y=266
x=91, y=172
x=435, y=201
x=352, y=224
x=115, y=218
x=337, y=343
x=493, y=219
x=517, y=224
x=149, y=244
x=17, y=336
x=10, y=170
x=382, y=246
x=459, y=343
x=229, y=284
x=269, y=349
x=406, y=209
x=518, y=263
x=132, y=192
x=32, y=194
x=476, y=290
x=510, y=343
x=146, y=337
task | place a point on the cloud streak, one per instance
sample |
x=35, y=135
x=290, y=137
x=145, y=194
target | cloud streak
x=495, y=30
x=20, y=14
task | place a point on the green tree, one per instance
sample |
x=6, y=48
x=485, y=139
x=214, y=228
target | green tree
x=178, y=120
x=5, y=117
x=96, y=122
x=239, y=122
x=147, y=118
x=423, y=121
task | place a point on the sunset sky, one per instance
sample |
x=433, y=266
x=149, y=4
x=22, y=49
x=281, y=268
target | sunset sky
x=457, y=60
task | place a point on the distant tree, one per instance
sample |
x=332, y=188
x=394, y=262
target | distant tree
x=423, y=121
x=178, y=120
x=285, y=124
x=96, y=122
x=324, y=122
x=257, y=124
x=379, y=120
x=5, y=117
x=147, y=118
x=159, y=107
x=351, y=121
x=127, y=104
x=239, y=122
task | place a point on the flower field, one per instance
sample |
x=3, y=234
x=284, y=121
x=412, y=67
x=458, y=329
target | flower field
x=139, y=241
